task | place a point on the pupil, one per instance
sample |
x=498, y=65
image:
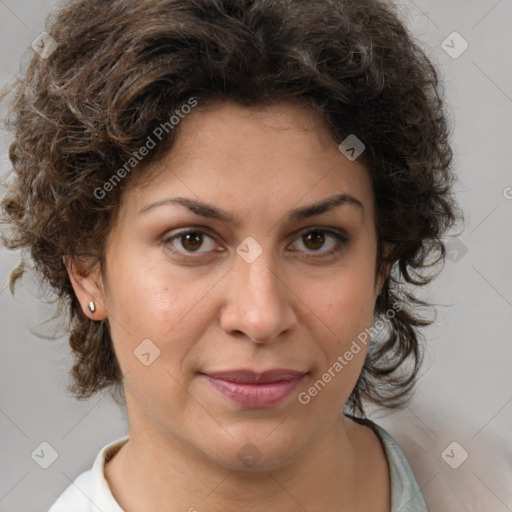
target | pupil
x=192, y=241
x=317, y=238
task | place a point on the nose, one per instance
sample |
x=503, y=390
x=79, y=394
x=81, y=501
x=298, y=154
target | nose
x=259, y=304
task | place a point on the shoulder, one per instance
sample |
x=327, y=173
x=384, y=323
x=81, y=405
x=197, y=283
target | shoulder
x=90, y=491
x=75, y=497
x=406, y=495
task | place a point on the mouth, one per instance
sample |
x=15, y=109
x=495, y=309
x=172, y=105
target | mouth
x=255, y=390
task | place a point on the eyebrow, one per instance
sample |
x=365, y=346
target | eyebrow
x=212, y=212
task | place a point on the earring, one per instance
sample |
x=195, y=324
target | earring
x=92, y=307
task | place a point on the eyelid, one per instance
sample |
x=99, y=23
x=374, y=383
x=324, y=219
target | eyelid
x=168, y=237
x=325, y=229
x=340, y=235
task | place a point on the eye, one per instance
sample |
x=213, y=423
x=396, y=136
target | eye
x=191, y=241
x=314, y=240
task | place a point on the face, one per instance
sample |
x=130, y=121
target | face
x=218, y=263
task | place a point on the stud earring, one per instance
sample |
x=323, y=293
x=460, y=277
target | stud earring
x=92, y=307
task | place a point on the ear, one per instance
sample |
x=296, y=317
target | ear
x=88, y=286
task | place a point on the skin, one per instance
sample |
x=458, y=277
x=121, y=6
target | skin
x=295, y=306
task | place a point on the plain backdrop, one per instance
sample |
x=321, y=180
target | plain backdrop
x=463, y=403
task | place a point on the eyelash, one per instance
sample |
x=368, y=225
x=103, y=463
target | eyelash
x=340, y=239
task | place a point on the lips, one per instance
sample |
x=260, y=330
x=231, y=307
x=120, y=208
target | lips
x=250, y=377
x=252, y=389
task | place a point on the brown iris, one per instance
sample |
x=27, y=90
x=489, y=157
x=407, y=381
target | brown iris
x=192, y=241
x=316, y=239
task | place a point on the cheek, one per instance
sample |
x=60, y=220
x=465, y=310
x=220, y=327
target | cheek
x=345, y=313
x=142, y=292
x=156, y=328
x=345, y=303
x=146, y=303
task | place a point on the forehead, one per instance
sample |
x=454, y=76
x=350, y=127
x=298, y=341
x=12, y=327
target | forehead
x=280, y=155
x=258, y=133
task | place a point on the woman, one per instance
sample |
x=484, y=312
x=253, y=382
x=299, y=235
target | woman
x=233, y=199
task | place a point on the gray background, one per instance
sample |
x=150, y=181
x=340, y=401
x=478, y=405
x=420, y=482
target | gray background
x=465, y=391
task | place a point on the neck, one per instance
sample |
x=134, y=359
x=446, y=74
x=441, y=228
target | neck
x=154, y=472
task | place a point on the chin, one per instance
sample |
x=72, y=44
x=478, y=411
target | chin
x=259, y=452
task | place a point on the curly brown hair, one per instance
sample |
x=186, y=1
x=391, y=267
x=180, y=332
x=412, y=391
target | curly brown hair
x=120, y=68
